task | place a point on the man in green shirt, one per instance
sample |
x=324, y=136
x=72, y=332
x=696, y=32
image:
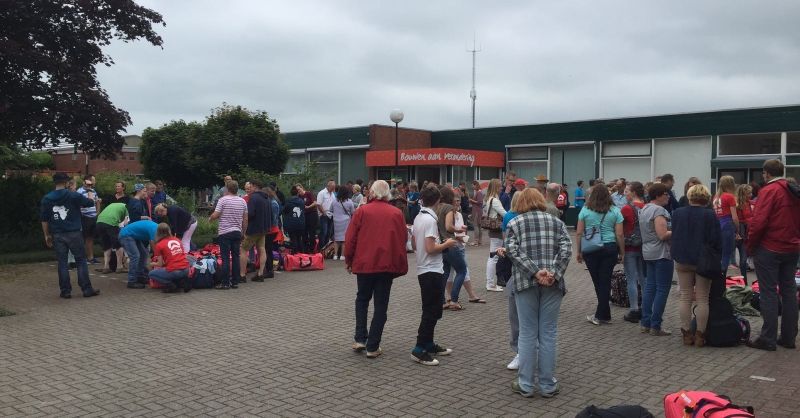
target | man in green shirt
x=108, y=222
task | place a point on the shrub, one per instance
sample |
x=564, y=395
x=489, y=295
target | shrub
x=21, y=229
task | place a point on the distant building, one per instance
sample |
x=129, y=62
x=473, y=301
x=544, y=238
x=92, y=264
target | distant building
x=67, y=160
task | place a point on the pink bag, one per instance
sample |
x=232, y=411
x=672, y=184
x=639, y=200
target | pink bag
x=300, y=262
x=734, y=281
x=702, y=404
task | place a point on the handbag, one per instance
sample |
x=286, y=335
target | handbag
x=592, y=239
x=491, y=223
x=709, y=263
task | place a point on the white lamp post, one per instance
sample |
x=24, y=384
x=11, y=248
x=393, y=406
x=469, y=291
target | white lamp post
x=396, y=116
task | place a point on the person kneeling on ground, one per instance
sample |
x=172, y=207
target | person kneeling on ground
x=169, y=251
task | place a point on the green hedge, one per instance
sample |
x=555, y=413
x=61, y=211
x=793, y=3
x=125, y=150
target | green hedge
x=20, y=229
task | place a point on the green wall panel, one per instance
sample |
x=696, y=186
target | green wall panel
x=354, y=165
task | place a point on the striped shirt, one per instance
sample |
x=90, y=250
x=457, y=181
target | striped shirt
x=232, y=211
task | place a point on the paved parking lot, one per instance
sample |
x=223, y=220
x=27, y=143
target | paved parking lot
x=282, y=348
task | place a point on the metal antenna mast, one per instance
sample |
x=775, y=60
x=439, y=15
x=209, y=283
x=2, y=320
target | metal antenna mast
x=472, y=93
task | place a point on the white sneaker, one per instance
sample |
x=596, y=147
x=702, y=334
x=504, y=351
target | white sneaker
x=494, y=289
x=514, y=365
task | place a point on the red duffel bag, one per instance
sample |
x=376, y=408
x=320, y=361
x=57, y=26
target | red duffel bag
x=299, y=262
x=702, y=404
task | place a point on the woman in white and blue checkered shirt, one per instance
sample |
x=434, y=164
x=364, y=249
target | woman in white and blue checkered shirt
x=540, y=248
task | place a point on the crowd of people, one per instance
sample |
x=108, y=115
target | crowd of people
x=372, y=226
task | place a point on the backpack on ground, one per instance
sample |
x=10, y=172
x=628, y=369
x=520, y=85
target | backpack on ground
x=204, y=272
x=724, y=328
x=619, y=411
x=703, y=404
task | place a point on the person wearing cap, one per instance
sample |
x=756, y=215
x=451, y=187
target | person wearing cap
x=136, y=208
x=519, y=185
x=61, y=223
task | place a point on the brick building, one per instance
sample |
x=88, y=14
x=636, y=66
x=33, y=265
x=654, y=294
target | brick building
x=67, y=160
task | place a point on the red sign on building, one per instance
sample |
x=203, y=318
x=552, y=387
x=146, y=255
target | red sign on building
x=437, y=156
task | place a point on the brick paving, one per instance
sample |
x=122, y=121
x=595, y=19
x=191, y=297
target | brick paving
x=282, y=348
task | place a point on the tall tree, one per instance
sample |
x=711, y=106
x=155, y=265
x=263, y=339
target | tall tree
x=166, y=154
x=49, y=92
x=232, y=140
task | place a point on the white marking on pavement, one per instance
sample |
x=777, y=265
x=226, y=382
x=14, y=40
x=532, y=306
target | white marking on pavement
x=766, y=379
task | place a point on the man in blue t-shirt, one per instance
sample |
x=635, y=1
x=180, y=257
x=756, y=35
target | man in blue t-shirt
x=133, y=238
x=580, y=195
x=61, y=223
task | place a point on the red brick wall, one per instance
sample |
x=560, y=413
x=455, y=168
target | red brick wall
x=381, y=138
x=128, y=162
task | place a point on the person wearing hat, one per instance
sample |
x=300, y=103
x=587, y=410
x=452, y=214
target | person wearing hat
x=541, y=183
x=519, y=185
x=61, y=223
x=136, y=205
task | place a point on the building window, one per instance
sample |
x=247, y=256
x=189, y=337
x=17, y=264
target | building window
x=793, y=142
x=488, y=173
x=750, y=144
x=627, y=149
x=327, y=163
x=628, y=159
x=793, y=172
x=527, y=153
x=295, y=163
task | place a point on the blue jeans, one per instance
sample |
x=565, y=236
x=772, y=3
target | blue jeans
x=601, y=264
x=325, y=230
x=229, y=249
x=634, y=272
x=537, y=308
x=455, y=259
x=656, y=291
x=377, y=286
x=63, y=243
x=138, y=254
x=513, y=316
x=728, y=241
x=740, y=245
x=169, y=277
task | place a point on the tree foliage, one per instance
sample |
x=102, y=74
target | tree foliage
x=49, y=92
x=231, y=140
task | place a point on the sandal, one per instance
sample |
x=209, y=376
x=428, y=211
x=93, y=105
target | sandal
x=455, y=306
x=477, y=300
x=446, y=305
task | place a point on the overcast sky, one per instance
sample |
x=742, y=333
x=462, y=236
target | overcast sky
x=332, y=64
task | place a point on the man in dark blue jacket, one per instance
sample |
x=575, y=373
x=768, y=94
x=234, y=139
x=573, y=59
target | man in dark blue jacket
x=61, y=223
x=259, y=222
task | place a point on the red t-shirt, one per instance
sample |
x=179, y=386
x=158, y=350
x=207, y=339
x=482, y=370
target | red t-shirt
x=745, y=214
x=723, y=205
x=171, y=251
x=628, y=219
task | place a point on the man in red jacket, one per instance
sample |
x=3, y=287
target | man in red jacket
x=375, y=250
x=774, y=239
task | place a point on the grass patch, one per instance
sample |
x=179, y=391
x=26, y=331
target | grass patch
x=27, y=257
x=4, y=312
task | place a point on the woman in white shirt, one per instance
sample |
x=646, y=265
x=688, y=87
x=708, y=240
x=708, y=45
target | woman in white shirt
x=493, y=208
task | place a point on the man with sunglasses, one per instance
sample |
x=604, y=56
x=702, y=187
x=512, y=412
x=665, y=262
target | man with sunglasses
x=89, y=216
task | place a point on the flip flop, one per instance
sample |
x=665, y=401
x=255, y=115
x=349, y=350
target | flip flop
x=477, y=300
x=455, y=306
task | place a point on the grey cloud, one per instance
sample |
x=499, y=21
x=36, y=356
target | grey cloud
x=320, y=64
